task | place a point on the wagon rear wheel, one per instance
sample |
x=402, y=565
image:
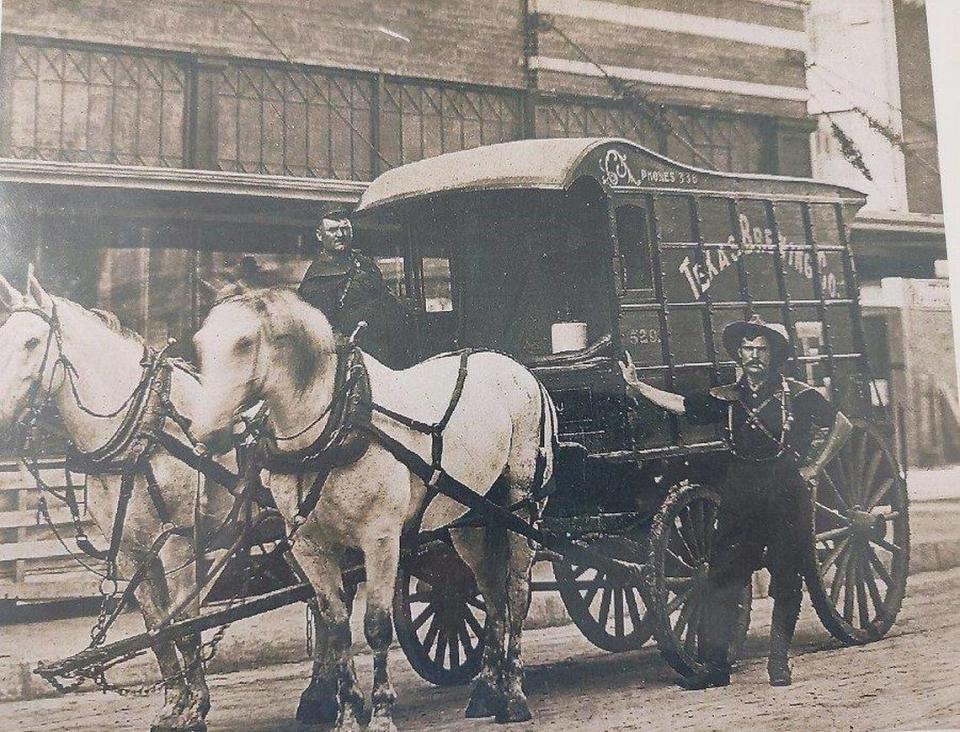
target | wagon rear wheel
x=861, y=539
x=681, y=547
x=611, y=614
x=439, y=616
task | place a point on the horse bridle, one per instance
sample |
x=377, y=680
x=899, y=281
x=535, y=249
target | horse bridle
x=34, y=407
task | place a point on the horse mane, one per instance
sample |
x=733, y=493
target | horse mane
x=105, y=318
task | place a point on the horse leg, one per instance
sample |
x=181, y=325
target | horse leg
x=519, y=561
x=484, y=552
x=332, y=657
x=180, y=553
x=154, y=600
x=381, y=559
x=318, y=702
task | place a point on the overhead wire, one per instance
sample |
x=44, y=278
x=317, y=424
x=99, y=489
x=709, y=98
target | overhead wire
x=266, y=36
x=628, y=92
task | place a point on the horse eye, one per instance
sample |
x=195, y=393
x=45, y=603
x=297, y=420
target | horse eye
x=32, y=343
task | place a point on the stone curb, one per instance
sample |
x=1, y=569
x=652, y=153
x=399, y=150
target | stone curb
x=19, y=683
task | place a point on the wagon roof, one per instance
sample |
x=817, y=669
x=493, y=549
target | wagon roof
x=554, y=164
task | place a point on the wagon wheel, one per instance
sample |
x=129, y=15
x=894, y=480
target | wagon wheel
x=439, y=616
x=681, y=545
x=611, y=614
x=862, y=539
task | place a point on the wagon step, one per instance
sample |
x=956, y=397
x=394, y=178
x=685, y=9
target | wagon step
x=93, y=657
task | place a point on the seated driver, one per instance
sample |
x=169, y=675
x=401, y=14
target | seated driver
x=348, y=287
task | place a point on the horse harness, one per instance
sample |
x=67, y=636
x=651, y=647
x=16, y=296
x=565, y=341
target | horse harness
x=127, y=451
x=349, y=431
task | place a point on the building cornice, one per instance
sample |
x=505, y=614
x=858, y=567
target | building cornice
x=900, y=222
x=178, y=180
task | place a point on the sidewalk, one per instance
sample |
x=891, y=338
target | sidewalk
x=935, y=529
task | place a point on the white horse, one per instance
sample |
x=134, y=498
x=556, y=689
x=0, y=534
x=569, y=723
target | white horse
x=42, y=338
x=271, y=345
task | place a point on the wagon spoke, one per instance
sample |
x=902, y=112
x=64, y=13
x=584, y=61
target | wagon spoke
x=892, y=548
x=683, y=618
x=879, y=567
x=464, y=636
x=675, y=557
x=872, y=588
x=633, y=609
x=833, y=533
x=862, y=605
x=684, y=544
x=709, y=525
x=604, y=607
x=678, y=600
x=872, y=469
x=474, y=624
x=695, y=512
x=423, y=616
x=440, y=650
x=618, y=611
x=576, y=572
x=832, y=557
x=690, y=642
x=881, y=491
x=477, y=603
x=861, y=453
x=838, y=578
x=592, y=592
x=848, y=583
x=836, y=514
x=454, y=650
x=431, y=635
x=844, y=506
x=420, y=597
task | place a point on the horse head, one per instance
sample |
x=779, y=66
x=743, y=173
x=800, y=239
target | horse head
x=260, y=345
x=29, y=349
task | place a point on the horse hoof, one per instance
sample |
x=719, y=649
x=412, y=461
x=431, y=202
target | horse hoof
x=484, y=702
x=381, y=724
x=315, y=710
x=190, y=725
x=515, y=710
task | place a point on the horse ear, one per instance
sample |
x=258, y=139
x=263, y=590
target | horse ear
x=43, y=300
x=10, y=296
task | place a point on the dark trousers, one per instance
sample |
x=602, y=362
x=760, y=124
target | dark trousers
x=765, y=507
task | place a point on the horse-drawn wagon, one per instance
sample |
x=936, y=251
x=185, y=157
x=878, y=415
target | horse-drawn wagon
x=563, y=254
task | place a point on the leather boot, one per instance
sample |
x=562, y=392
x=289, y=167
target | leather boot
x=715, y=642
x=785, y=614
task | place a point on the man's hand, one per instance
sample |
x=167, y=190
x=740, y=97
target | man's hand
x=629, y=371
x=663, y=399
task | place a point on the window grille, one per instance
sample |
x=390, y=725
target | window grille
x=80, y=105
x=300, y=122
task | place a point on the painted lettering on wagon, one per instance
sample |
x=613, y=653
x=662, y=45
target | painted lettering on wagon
x=617, y=172
x=700, y=276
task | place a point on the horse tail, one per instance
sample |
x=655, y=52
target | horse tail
x=543, y=481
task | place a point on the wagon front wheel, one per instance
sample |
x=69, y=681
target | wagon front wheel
x=610, y=613
x=680, y=552
x=861, y=547
x=439, y=617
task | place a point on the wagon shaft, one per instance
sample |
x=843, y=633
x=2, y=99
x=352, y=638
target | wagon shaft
x=96, y=657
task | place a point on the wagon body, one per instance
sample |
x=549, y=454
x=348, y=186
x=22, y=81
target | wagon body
x=515, y=246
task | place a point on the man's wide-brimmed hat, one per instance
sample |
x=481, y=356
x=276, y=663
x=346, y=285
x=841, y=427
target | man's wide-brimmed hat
x=775, y=333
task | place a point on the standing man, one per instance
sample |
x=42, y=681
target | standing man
x=768, y=422
x=348, y=287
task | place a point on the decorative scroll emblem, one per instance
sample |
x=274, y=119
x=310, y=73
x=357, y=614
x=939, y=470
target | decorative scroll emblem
x=616, y=171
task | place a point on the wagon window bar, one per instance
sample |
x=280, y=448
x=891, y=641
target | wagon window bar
x=741, y=264
x=664, y=309
x=818, y=288
x=786, y=309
